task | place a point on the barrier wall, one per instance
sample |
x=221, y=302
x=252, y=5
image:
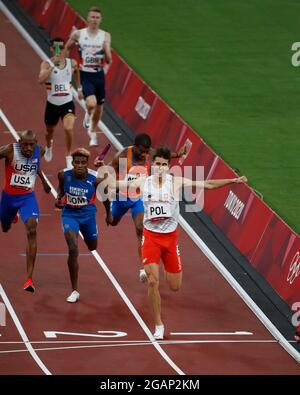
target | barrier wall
x=256, y=231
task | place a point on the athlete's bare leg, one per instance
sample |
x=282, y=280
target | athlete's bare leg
x=115, y=221
x=49, y=135
x=91, y=103
x=31, y=249
x=152, y=271
x=174, y=280
x=72, y=241
x=5, y=227
x=68, y=123
x=138, y=223
x=91, y=244
x=96, y=116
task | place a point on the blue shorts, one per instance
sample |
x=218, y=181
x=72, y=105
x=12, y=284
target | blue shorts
x=11, y=204
x=86, y=225
x=93, y=84
x=120, y=208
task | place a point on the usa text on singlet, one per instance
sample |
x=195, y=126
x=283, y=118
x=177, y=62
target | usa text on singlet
x=21, y=174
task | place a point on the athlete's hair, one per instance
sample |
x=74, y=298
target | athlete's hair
x=57, y=40
x=143, y=139
x=80, y=152
x=162, y=152
x=28, y=134
x=95, y=9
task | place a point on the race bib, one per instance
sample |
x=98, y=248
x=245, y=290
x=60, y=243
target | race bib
x=158, y=211
x=60, y=89
x=22, y=181
x=76, y=201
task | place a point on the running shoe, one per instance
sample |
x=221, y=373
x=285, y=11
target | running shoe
x=159, y=332
x=74, y=296
x=28, y=285
x=93, y=139
x=48, y=154
x=86, y=120
x=143, y=276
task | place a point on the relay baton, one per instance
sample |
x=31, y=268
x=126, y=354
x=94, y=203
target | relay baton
x=57, y=52
x=103, y=152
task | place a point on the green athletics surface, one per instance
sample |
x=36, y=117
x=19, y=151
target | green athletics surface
x=225, y=67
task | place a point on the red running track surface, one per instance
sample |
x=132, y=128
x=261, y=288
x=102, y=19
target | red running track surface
x=206, y=302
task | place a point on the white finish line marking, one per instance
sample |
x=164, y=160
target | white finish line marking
x=237, y=333
x=21, y=331
x=53, y=334
x=137, y=343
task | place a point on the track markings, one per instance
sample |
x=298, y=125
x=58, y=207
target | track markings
x=55, y=254
x=53, y=334
x=99, y=260
x=22, y=332
x=237, y=333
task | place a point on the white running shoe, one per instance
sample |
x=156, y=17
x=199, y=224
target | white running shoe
x=143, y=276
x=48, y=154
x=73, y=297
x=93, y=139
x=159, y=332
x=86, y=120
x=69, y=160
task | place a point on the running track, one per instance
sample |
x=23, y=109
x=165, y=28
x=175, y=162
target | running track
x=206, y=302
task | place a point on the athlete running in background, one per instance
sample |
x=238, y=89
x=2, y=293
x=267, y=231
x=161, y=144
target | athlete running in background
x=95, y=48
x=160, y=195
x=22, y=165
x=76, y=195
x=129, y=164
x=57, y=76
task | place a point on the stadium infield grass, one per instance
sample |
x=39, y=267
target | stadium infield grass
x=225, y=67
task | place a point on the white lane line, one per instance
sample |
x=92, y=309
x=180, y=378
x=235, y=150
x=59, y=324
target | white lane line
x=164, y=342
x=236, y=333
x=240, y=290
x=22, y=332
x=144, y=341
x=112, y=279
x=135, y=313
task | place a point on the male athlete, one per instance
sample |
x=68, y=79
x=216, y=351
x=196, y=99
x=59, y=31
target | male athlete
x=160, y=234
x=95, y=48
x=57, y=76
x=76, y=195
x=22, y=165
x=129, y=164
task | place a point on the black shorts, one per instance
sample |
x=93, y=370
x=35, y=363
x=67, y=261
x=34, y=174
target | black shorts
x=53, y=112
x=93, y=84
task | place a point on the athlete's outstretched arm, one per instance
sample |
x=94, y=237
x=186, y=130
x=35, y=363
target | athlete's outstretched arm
x=208, y=184
x=134, y=184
